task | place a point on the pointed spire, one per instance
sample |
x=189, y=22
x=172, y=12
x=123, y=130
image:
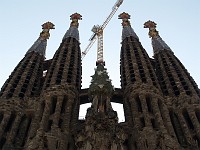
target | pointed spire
x=40, y=44
x=127, y=29
x=101, y=90
x=101, y=84
x=73, y=30
x=157, y=42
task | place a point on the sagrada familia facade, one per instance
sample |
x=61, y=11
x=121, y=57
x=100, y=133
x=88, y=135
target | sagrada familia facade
x=39, y=111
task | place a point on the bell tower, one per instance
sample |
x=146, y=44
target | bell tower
x=20, y=91
x=144, y=106
x=25, y=80
x=58, y=109
x=179, y=89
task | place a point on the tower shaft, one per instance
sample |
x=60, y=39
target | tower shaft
x=19, y=91
x=180, y=91
x=143, y=101
x=59, y=98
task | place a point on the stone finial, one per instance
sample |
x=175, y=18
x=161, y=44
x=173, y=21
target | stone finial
x=40, y=44
x=125, y=16
x=75, y=17
x=127, y=29
x=46, y=27
x=152, y=28
x=157, y=42
x=73, y=30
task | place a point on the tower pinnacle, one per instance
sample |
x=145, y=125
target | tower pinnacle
x=75, y=17
x=101, y=90
x=125, y=16
x=127, y=29
x=152, y=28
x=157, y=41
x=46, y=27
x=73, y=30
x=40, y=44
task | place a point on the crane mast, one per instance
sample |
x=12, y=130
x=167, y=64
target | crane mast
x=98, y=35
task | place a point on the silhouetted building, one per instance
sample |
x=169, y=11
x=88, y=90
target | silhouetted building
x=39, y=102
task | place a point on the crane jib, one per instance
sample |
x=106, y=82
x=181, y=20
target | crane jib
x=93, y=36
x=100, y=34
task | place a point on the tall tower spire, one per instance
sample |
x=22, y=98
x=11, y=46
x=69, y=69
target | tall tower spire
x=172, y=74
x=24, y=83
x=182, y=95
x=102, y=130
x=157, y=42
x=127, y=29
x=59, y=104
x=134, y=58
x=25, y=80
x=73, y=30
x=145, y=110
x=40, y=45
x=101, y=90
x=65, y=67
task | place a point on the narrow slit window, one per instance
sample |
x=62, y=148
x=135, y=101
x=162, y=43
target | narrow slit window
x=188, y=120
x=138, y=102
x=142, y=122
x=53, y=105
x=149, y=106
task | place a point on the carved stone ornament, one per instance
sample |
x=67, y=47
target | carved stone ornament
x=152, y=28
x=125, y=16
x=46, y=27
x=101, y=132
x=75, y=17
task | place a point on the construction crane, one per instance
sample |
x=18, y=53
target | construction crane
x=98, y=34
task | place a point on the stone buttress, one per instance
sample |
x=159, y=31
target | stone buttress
x=144, y=107
x=58, y=110
x=18, y=94
x=182, y=95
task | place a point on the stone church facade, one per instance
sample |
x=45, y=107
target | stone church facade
x=39, y=111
